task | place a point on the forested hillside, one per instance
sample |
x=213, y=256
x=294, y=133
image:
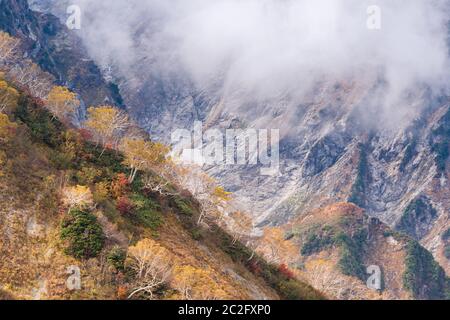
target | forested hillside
x=105, y=198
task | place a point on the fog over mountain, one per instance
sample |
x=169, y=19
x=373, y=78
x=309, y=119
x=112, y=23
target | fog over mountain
x=264, y=49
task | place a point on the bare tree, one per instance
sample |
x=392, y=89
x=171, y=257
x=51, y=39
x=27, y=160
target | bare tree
x=77, y=196
x=158, y=185
x=152, y=267
x=8, y=48
x=324, y=276
x=31, y=76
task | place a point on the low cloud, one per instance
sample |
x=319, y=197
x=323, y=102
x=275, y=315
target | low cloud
x=267, y=48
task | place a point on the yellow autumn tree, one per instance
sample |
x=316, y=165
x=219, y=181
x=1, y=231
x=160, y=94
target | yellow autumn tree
x=77, y=197
x=107, y=124
x=196, y=284
x=241, y=225
x=213, y=200
x=6, y=127
x=9, y=97
x=62, y=102
x=142, y=155
x=151, y=265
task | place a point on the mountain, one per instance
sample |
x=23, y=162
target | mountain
x=341, y=237
x=56, y=50
x=344, y=158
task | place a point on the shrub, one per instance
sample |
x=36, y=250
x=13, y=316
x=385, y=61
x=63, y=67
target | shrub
x=254, y=267
x=447, y=251
x=120, y=185
x=416, y=211
x=88, y=175
x=43, y=126
x=122, y=293
x=60, y=160
x=442, y=154
x=440, y=143
x=83, y=234
x=101, y=192
x=351, y=261
x=116, y=257
x=196, y=234
x=125, y=206
x=446, y=235
x=358, y=191
x=284, y=271
x=183, y=206
x=318, y=242
x=85, y=134
x=423, y=277
x=147, y=212
x=295, y=290
x=108, y=159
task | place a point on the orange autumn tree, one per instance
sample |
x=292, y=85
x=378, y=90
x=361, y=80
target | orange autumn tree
x=143, y=155
x=275, y=248
x=61, y=102
x=20, y=71
x=151, y=265
x=214, y=202
x=107, y=124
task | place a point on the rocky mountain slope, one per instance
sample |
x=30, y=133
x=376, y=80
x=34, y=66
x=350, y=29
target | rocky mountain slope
x=338, y=242
x=46, y=164
x=338, y=144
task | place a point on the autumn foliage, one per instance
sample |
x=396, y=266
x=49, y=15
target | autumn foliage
x=151, y=265
x=285, y=271
x=62, y=103
x=107, y=124
x=120, y=185
x=124, y=206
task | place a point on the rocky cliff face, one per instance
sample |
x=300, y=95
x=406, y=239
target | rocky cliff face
x=332, y=149
x=61, y=53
